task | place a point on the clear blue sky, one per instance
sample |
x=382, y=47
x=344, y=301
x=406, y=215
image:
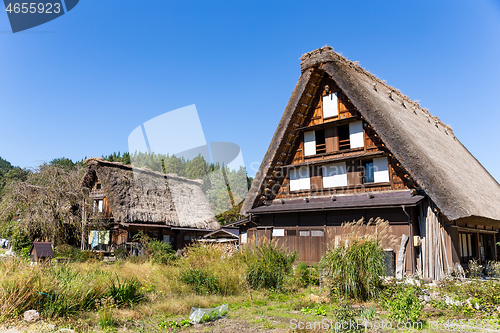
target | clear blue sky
x=77, y=86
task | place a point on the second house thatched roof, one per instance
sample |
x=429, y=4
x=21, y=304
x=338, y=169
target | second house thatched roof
x=151, y=197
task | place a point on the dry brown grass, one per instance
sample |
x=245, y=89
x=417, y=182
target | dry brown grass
x=375, y=229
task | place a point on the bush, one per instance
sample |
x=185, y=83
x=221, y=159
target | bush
x=82, y=256
x=120, y=252
x=161, y=252
x=343, y=316
x=208, y=268
x=63, y=251
x=269, y=265
x=128, y=292
x=402, y=303
x=25, y=252
x=19, y=241
x=354, y=271
x=202, y=281
x=307, y=275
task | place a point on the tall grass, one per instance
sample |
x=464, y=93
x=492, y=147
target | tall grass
x=356, y=263
x=59, y=290
x=208, y=268
x=269, y=265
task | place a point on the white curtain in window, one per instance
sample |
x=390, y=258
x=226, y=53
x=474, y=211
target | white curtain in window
x=299, y=179
x=310, y=143
x=330, y=106
x=356, y=135
x=380, y=170
x=278, y=232
x=334, y=175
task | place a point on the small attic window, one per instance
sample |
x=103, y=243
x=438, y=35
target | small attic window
x=98, y=186
x=320, y=142
x=344, y=137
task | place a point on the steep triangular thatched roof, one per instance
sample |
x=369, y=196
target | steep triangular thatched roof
x=447, y=172
x=151, y=197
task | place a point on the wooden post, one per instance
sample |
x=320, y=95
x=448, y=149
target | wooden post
x=478, y=249
x=401, y=257
x=82, y=245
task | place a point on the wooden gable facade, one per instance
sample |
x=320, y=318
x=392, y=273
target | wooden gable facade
x=338, y=156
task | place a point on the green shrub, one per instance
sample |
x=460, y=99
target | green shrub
x=201, y=280
x=354, y=271
x=120, y=252
x=128, y=292
x=307, y=275
x=25, y=252
x=82, y=256
x=343, y=316
x=269, y=265
x=161, y=252
x=402, y=303
x=19, y=240
x=63, y=251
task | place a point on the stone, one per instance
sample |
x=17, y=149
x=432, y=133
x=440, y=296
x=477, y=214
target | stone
x=51, y=327
x=31, y=316
x=427, y=298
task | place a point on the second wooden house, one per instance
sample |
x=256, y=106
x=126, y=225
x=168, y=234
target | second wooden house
x=127, y=200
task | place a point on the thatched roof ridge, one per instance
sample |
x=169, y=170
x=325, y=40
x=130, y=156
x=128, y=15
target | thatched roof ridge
x=156, y=199
x=458, y=184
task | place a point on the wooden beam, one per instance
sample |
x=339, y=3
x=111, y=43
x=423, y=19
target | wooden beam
x=401, y=257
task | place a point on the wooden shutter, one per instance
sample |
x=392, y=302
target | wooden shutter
x=331, y=139
x=316, y=182
x=354, y=176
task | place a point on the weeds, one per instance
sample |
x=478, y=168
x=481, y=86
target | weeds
x=202, y=281
x=475, y=269
x=104, y=306
x=402, y=302
x=269, y=265
x=128, y=292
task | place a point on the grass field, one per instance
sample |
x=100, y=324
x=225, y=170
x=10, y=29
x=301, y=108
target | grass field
x=139, y=295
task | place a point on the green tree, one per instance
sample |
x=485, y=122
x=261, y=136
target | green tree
x=118, y=157
x=48, y=203
x=197, y=168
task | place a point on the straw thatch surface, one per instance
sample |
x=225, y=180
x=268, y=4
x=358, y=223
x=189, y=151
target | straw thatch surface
x=151, y=197
x=448, y=173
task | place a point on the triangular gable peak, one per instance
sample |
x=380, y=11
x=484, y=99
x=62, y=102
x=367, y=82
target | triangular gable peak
x=424, y=151
x=330, y=135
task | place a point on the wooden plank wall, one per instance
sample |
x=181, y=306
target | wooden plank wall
x=311, y=248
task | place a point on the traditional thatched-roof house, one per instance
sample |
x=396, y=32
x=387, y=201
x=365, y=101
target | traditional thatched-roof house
x=129, y=200
x=350, y=146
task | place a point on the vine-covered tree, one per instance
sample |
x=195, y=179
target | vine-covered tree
x=48, y=204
